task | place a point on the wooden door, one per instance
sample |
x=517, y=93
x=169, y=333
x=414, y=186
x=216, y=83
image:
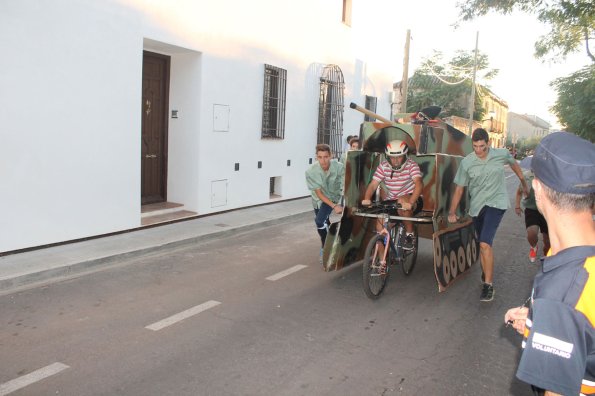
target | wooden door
x=154, y=127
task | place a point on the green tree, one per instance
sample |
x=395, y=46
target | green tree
x=572, y=27
x=527, y=145
x=576, y=102
x=448, y=84
x=572, y=23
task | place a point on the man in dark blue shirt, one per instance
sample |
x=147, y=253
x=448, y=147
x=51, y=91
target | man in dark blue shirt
x=558, y=327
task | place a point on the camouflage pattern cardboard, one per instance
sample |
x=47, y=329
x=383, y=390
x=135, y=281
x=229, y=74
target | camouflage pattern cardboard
x=438, y=149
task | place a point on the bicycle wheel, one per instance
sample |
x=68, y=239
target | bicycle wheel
x=409, y=256
x=374, y=279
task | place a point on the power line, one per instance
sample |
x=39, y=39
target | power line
x=439, y=77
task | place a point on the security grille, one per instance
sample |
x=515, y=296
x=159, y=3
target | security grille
x=330, y=108
x=273, y=103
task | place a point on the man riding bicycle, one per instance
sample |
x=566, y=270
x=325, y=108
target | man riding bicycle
x=403, y=180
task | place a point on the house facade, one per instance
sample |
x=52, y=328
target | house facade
x=495, y=118
x=109, y=107
x=525, y=126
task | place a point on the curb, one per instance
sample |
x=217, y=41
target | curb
x=68, y=271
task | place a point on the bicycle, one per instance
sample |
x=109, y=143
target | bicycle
x=377, y=260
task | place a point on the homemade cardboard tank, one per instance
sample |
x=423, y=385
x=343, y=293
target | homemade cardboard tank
x=438, y=149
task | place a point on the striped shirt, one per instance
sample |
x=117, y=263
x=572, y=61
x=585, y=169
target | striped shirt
x=398, y=182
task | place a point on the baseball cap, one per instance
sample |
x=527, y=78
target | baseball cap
x=565, y=163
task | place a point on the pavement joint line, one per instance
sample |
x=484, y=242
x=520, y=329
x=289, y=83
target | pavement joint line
x=182, y=315
x=31, y=378
x=286, y=272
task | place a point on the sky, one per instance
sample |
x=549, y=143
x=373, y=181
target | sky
x=522, y=81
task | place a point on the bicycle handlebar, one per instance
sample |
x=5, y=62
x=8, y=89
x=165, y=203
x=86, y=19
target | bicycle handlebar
x=382, y=206
x=381, y=210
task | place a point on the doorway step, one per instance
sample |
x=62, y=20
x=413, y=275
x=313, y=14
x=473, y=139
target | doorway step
x=163, y=212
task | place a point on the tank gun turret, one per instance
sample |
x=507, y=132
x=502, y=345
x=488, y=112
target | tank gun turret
x=369, y=113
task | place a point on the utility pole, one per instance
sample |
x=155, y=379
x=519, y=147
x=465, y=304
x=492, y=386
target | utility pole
x=472, y=99
x=405, y=80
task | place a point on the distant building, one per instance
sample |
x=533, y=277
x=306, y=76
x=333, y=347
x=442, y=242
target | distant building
x=495, y=118
x=524, y=126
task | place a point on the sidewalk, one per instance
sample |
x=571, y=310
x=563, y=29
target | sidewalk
x=39, y=266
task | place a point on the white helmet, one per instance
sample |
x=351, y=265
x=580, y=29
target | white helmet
x=396, y=148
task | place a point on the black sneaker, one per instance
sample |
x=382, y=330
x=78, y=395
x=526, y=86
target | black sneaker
x=408, y=244
x=487, y=292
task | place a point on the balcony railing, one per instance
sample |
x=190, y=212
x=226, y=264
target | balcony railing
x=493, y=126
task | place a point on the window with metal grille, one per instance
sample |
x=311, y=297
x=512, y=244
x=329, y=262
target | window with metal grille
x=370, y=105
x=273, y=103
x=330, y=109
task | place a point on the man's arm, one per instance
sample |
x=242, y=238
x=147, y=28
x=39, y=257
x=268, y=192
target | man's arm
x=517, y=200
x=517, y=317
x=419, y=185
x=454, y=204
x=369, y=191
x=336, y=206
x=563, y=332
x=519, y=172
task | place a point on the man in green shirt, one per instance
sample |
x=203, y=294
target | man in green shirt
x=482, y=172
x=534, y=221
x=325, y=181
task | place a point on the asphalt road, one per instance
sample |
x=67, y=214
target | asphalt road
x=206, y=320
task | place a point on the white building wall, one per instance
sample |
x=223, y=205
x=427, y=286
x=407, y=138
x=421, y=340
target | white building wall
x=69, y=143
x=183, y=139
x=70, y=92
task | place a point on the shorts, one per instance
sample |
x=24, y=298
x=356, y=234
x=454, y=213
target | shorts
x=534, y=218
x=486, y=223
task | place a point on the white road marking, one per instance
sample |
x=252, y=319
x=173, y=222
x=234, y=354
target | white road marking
x=182, y=315
x=37, y=375
x=288, y=271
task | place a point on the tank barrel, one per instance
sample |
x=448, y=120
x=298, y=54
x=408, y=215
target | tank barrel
x=369, y=113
